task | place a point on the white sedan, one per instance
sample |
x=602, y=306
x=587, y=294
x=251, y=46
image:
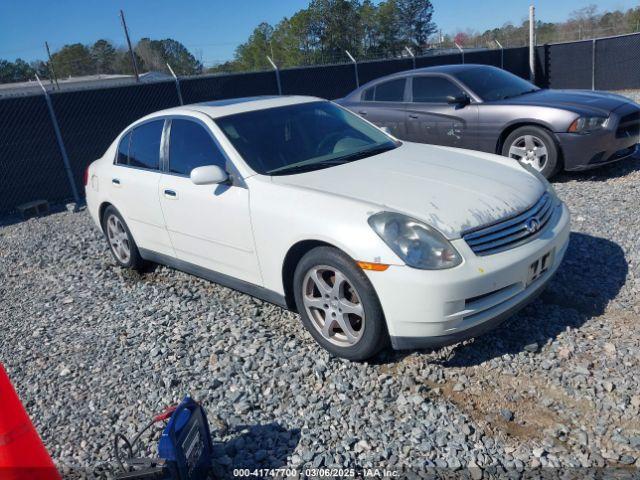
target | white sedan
x=299, y=202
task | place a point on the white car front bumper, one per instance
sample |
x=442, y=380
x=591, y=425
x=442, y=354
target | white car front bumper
x=435, y=308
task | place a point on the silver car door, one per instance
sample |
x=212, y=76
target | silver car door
x=431, y=117
x=384, y=105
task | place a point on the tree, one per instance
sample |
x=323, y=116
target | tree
x=369, y=27
x=18, y=71
x=73, y=61
x=253, y=53
x=155, y=55
x=415, y=25
x=103, y=54
x=389, y=37
x=122, y=61
x=461, y=38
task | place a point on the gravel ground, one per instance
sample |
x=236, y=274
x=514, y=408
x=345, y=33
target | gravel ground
x=93, y=349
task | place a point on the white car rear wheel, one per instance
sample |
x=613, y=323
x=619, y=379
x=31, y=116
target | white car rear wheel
x=121, y=242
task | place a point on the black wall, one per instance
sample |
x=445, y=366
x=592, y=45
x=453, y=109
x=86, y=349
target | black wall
x=31, y=166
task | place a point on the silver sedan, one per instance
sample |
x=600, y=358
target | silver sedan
x=484, y=108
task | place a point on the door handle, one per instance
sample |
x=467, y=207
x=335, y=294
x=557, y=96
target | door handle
x=413, y=115
x=362, y=112
x=170, y=194
x=115, y=181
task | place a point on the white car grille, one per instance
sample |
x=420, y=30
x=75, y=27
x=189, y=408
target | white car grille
x=511, y=232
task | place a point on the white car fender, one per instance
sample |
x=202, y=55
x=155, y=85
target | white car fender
x=283, y=216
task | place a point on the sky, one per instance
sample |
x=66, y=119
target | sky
x=211, y=29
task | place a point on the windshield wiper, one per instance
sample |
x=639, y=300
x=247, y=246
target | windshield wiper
x=308, y=167
x=519, y=94
x=350, y=157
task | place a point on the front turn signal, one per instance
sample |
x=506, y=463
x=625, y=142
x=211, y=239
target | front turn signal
x=376, y=267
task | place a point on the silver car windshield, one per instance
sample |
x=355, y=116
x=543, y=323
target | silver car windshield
x=302, y=137
x=494, y=84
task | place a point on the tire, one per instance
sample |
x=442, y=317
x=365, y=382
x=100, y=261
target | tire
x=317, y=269
x=523, y=138
x=112, y=222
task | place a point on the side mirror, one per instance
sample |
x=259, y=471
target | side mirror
x=208, y=175
x=461, y=99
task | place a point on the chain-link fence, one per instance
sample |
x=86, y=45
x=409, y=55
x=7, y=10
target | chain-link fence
x=611, y=63
x=37, y=165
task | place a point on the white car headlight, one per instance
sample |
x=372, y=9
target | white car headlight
x=587, y=124
x=417, y=244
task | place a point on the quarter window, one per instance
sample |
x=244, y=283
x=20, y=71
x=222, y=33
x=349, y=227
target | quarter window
x=433, y=89
x=144, y=146
x=367, y=96
x=191, y=146
x=123, y=150
x=392, y=91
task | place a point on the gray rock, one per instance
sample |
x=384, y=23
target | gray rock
x=93, y=349
x=506, y=414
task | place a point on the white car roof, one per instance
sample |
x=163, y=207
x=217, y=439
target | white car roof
x=221, y=108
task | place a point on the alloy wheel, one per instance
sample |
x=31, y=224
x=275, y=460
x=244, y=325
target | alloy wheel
x=333, y=305
x=530, y=150
x=118, y=239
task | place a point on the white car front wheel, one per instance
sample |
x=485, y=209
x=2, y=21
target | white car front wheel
x=338, y=304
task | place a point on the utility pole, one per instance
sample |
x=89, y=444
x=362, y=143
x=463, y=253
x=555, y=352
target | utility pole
x=133, y=57
x=52, y=72
x=532, y=43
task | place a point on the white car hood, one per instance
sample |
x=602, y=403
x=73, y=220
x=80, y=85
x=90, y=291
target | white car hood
x=450, y=189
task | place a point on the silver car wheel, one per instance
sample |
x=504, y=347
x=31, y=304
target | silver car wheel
x=333, y=305
x=530, y=150
x=118, y=239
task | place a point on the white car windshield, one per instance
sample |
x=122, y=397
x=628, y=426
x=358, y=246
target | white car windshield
x=302, y=137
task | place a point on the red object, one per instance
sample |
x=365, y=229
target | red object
x=85, y=179
x=22, y=454
x=166, y=414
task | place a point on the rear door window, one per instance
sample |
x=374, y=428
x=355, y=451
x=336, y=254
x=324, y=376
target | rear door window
x=392, y=91
x=144, y=146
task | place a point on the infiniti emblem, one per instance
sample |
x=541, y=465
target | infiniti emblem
x=532, y=225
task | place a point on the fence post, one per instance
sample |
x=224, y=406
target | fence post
x=532, y=43
x=501, y=53
x=177, y=84
x=413, y=57
x=275, y=67
x=355, y=67
x=593, y=64
x=461, y=50
x=63, y=150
